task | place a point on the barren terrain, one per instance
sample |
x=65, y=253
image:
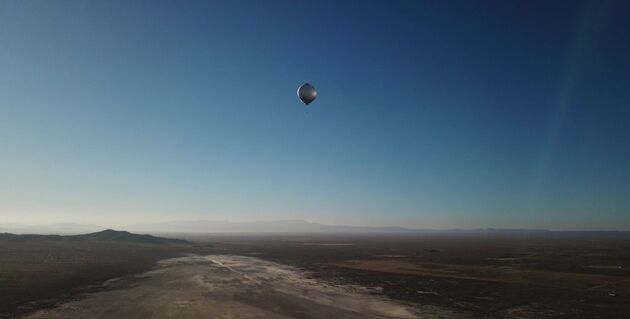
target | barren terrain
x=222, y=286
x=488, y=274
x=450, y=275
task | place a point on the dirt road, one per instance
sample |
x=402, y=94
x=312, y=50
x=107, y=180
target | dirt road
x=222, y=286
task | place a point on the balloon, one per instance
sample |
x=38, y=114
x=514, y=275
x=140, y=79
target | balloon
x=307, y=93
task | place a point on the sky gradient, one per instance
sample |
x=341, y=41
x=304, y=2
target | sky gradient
x=438, y=114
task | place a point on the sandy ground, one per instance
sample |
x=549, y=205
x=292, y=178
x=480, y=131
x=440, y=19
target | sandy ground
x=225, y=286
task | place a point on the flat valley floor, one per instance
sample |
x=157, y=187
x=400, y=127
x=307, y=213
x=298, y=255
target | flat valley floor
x=225, y=286
x=489, y=275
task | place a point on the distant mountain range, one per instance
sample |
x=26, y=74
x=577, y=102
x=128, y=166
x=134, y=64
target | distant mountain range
x=50, y=229
x=222, y=226
x=292, y=226
x=105, y=235
x=280, y=226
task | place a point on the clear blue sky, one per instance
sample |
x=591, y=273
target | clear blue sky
x=433, y=114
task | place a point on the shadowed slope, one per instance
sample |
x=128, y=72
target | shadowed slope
x=105, y=235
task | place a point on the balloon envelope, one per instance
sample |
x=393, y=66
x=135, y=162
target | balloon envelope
x=307, y=93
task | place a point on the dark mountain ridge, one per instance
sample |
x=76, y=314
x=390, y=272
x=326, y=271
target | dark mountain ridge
x=105, y=235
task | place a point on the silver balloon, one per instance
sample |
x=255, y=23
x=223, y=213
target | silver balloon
x=307, y=93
